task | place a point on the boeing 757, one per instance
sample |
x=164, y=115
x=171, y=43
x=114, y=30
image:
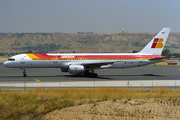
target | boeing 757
x=88, y=62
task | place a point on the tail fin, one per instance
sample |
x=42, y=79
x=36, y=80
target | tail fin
x=156, y=45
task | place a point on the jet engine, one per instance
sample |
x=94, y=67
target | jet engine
x=76, y=69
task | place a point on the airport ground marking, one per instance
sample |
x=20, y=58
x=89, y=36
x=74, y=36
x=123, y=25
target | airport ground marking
x=89, y=82
x=37, y=80
x=102, y=84
x=96, y=83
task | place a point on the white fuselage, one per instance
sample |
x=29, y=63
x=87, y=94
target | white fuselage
x=24, y=61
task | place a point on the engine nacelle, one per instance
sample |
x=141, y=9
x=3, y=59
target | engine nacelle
x=76, y=69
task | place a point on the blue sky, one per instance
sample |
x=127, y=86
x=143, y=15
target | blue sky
x=98, y=16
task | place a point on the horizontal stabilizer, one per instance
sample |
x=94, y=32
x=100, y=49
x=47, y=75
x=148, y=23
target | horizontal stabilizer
x=162, y=58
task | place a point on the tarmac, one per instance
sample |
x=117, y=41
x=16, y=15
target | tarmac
x=148, y=77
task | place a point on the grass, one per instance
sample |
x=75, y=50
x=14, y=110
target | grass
x=13, y=104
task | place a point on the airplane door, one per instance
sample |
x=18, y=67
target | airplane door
x=22, y=60
x=55, y=61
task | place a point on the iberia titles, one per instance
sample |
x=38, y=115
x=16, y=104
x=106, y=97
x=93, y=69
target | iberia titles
x=67, y=56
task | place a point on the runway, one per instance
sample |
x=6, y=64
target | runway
x=147, y=76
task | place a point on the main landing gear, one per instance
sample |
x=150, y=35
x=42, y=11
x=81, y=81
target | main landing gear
x=90, y=74
x=24, y=72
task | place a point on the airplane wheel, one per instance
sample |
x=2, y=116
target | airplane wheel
x=95, y=75
x=24, y=75
x=91, y=74
x=88, y=74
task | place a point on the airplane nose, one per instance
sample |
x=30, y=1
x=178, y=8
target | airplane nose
x=5, y=64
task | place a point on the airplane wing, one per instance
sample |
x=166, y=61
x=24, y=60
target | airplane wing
x=97, y=64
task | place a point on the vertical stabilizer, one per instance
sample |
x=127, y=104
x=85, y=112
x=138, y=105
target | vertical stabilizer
x=156, y=45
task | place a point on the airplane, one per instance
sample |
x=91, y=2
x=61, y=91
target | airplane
x=87, y=63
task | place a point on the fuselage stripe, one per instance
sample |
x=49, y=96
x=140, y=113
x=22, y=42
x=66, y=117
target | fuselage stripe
x=91, y=57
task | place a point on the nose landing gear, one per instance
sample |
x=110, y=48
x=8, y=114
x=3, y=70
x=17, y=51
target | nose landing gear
x=24, y=72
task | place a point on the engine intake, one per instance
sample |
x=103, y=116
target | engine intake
x=76, y=69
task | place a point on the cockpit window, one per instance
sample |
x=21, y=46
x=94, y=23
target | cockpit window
x=11, y=59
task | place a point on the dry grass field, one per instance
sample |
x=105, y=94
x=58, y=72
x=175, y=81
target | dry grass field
x=3, y=58
x=87, y=104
